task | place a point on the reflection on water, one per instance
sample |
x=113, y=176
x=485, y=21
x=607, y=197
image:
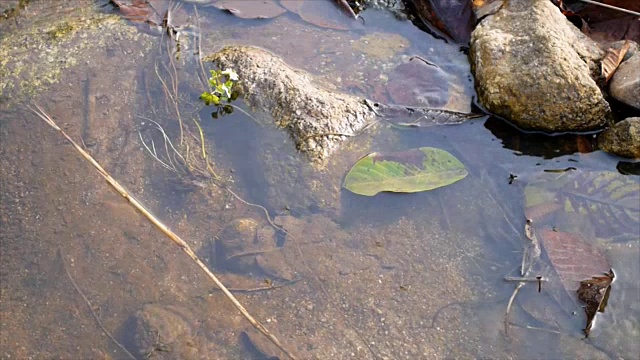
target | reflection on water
x=397, y=276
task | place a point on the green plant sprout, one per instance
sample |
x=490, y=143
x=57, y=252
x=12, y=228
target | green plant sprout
x=222, y=83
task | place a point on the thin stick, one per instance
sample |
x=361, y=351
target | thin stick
x=93, y=313
x=154, y=154
x=206, y=85
x=173, y=236
x=264, y=288
x=513, y=297
x=611, y=7
x=527, y=279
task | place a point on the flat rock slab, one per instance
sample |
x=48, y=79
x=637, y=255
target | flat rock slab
x=534, y=68
x=318, y=119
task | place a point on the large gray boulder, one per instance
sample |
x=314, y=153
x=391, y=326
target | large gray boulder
x=622, y=139
x=625, y=84
x=535, y=69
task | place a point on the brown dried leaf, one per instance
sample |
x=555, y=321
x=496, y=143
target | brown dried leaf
x=572, y=258
x=136, y=12
x=594, y=293
x=612, y=60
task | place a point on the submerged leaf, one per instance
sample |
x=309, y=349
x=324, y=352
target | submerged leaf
x=607, y=201
x=417, y=84
x=322, y=13
x=572, y=257
x=454, y=18
x=251, y=9
x=408, y=171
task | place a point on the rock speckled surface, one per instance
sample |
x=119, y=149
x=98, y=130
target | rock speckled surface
x=317, y=119
x=622, y=139
x=625, y=83
x=535, y=69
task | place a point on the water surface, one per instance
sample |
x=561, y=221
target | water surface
x=390, y=276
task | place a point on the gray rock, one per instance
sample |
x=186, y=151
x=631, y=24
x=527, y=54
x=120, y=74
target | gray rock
x=317, y=119
x=625, y=83
x=622, y=139
x=535, y=69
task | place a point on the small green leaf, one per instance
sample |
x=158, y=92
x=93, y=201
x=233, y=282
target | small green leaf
x=408, y=171
x=209, y=98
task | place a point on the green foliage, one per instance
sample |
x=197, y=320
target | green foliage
x=222, y=83
x=408, y=171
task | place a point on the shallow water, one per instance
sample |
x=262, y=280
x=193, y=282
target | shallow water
x=390, y=276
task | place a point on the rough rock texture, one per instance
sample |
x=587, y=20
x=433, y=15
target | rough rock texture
x=625, y=84
x=533, y=68
x=318, y=119
x=622, y=139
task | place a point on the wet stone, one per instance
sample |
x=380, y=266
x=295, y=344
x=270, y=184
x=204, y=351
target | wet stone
x=625, y=84
x=534, y=68
x=622, y=139
x=317, y=119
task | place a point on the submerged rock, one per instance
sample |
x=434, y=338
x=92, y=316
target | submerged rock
x=164, y=332
x=317, y=119
x=247, y=247
x=625, y=83
x=534, y=68
x=622, y=139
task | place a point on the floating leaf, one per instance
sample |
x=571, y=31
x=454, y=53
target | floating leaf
x=613, y=59
x=408, y=171
x=594, y=293
x=607, y=201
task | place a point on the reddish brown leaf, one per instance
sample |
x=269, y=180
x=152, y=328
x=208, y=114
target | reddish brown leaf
x=454, y=18
x=136, y=12
x=572, y=258
x=594, y=293
x=321, y=13
x=609, y=25
x=251, y=9
x=417, y=84
x=612, y=60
